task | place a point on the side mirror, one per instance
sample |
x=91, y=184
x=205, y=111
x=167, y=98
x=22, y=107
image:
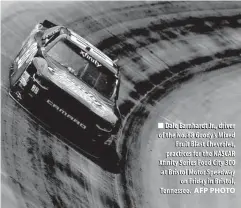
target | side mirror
x=41, y=65
x=115, y=61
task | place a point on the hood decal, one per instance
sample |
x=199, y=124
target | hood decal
x=80, y=91
x=73, y=85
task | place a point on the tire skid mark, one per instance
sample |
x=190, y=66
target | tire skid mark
x=142, y=87
x=131, y=49
x=94, y=22
x=48, y=165
x=135, y=120
x=115, y=40
x=35, y=162
x=125, y=14
x=164, y=29
x=157, y=78
x=54, y=167
x=88, y=189
x=63, y=168
x=17, y=173
x=33, y=150
x=230, y=52
x=125, y=27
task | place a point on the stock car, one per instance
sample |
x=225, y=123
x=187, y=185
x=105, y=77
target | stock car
x=64, y=75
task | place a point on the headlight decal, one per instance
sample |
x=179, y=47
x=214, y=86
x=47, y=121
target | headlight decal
x=29, y=53
x=24, y=78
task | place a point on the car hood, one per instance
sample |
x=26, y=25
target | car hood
x=77, y=89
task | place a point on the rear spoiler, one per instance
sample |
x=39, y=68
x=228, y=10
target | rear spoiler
x=48, y=24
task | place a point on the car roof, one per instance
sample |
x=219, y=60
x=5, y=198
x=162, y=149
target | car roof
x=87, y=47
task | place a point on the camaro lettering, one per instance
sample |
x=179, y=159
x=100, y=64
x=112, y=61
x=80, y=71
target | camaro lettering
x=62, y=111
x=86, y=55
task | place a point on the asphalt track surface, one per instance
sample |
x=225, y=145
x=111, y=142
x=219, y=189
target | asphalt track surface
x=180, y=63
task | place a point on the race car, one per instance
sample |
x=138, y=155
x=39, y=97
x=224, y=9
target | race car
x=67, y=80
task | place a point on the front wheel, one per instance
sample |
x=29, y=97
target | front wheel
x=110, y=159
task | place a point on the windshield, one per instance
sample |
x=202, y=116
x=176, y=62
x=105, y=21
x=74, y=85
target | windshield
x=84, y=67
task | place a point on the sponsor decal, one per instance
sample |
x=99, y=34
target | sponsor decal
x=24, y=78
x=87, y=56
x=19, y=96
x=35, y=89
x=81, y=41
x=67, y=115
x=27, y=55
